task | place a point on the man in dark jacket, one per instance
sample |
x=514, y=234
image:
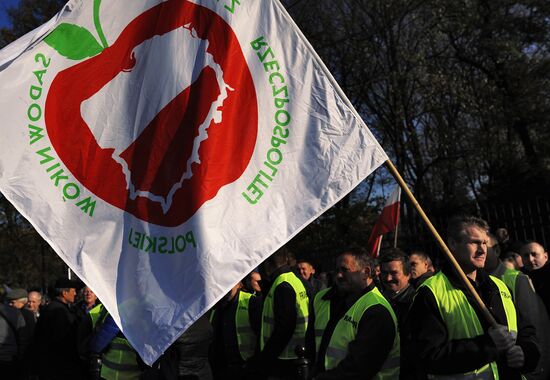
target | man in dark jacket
x=420, y=264
x=537, y=267
x=56, y=336
x=14, y=341
x=236, y=323
x=284, y=321
x=361, y=338
x=449, y=333
x=395, y=273
x=531, y=309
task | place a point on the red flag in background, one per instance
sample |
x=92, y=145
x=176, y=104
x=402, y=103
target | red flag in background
x=387, y=221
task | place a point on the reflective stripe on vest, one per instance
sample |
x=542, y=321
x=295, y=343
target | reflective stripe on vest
x=346, y=331
x=245, y=335
x=302, y=310
x=461, y=319
x=322, y=316
x=510, y=277
x=120, y=361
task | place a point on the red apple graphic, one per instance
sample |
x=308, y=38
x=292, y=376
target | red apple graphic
x=158, y=157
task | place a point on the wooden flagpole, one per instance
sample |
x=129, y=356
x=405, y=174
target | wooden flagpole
x=379, y=245
x=397, y=224
x=488, y=316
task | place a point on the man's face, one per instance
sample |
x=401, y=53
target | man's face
x=306, y=270
x=349, y=278
x=34, y=302
x=419, y=266
x=255, y=279
x=89, y=296
x=470, y=250
x=392, y=276
x=534, y=256
x=69, y=295
x=18, y=304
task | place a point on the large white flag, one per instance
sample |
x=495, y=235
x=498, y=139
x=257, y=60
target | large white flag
x=166, y=148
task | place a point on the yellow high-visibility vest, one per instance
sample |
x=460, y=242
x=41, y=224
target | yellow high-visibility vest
x=302, y=314
x=346, y=331
x=462, y=322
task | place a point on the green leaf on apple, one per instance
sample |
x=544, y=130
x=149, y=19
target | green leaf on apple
x=73, y=42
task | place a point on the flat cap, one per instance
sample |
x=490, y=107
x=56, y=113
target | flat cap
x=16, y=293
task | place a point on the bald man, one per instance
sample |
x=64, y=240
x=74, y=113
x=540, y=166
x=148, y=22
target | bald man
x=34, y=302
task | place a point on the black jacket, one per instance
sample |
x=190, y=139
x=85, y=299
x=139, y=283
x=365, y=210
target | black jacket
x=285, y=315
x=225, y=354
x=56, y=341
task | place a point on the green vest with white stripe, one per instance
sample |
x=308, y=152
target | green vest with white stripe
x=302, y=314
x=119, y=361
x=346, y=331
x=462, y=322
x=321, y=308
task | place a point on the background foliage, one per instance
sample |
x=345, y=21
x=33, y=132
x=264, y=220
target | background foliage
x=456, y=91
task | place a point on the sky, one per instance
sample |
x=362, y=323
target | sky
x=4, y=4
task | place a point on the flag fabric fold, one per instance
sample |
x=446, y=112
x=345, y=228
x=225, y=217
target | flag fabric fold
x=165, y=148
x=387, y=221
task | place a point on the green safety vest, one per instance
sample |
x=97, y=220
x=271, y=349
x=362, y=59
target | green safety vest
x=346, y=331
x=246, y=338
x=119, y=361
x=302, y=311
x=245, y=335
x=462, y=322
x=321, y=308
x=96, y=312
x=510, y=277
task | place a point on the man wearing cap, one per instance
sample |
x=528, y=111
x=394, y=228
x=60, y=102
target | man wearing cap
x=18, y=298
x=56, y=336
x=13, y=341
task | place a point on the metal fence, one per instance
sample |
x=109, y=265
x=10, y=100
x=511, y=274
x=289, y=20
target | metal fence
x=524, y=220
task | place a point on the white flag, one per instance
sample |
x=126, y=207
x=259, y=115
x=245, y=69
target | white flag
x=166, y=148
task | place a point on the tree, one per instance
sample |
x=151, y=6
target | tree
x=28, y=15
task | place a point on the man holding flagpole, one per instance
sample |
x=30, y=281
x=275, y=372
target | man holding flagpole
x=450, y=337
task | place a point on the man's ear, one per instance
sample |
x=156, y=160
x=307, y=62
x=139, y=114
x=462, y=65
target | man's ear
x=368, y=272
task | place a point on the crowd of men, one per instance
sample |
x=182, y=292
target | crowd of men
x=394, y=317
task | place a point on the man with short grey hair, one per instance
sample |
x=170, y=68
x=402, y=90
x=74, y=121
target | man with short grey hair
x=34, y=303
x=14, y=341
x=56, y=336
x=448, y=324
x=535, y=260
